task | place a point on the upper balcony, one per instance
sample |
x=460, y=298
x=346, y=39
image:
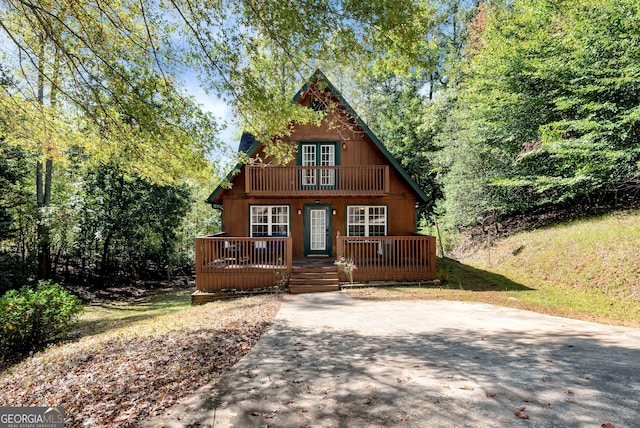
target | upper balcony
x=351, y=180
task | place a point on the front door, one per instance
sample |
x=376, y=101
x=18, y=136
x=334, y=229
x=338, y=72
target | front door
x=317, y=230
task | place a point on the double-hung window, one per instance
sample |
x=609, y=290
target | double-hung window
x=316, y=156
x=367, y=220
x=269, y=220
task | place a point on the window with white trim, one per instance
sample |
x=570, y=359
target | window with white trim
x=327, y=158
x=318, y=154
x=367, y=220
x=309, y=159
x=269, y=220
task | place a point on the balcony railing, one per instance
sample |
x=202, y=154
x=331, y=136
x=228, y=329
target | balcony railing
x=352, y=180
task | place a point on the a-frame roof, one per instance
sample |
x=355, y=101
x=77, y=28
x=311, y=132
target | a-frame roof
x=319, y=76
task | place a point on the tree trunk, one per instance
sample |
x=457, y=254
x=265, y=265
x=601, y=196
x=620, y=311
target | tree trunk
x=43, y=189
x=104, y=263
x=44, y=241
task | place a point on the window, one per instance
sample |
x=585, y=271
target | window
x=269, y=220
x=318, y=154
x=317, y=104
x=367, y=221
x=308, y=159
x=327, y=158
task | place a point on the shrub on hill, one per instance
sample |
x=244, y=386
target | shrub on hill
x=30, y=318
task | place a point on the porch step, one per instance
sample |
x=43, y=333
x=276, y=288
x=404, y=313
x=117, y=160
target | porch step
x=313, y=279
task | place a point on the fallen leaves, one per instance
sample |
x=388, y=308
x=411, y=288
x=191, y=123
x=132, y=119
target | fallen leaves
x=522, y=414
x=126, y=374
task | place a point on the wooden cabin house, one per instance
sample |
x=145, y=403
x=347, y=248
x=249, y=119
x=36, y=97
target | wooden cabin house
x=343, y=197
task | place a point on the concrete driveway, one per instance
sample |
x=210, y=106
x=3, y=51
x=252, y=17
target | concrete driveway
x=333, y=361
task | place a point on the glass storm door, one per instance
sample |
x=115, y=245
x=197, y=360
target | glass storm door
x=317, y=230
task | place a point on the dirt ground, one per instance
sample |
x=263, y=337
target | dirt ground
x=333, y=361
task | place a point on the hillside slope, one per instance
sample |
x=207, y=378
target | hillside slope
x=594, y=261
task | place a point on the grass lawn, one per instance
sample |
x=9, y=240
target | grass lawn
x=130, y=360
x=471, y=284
x=587, y=269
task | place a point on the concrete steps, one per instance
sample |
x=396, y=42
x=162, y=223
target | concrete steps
x=313, y=279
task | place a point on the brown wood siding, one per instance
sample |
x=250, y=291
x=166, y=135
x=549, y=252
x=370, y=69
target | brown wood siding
x=401, y=216
x=354, y=147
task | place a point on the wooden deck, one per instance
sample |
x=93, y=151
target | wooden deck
x=389, y=258
x=238, y=263
x=231, y=265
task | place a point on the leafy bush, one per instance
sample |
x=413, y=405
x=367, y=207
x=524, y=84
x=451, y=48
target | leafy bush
x=30, y=318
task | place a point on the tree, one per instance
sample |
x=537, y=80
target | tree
x=126, y=226
x=546, y=111
x=16, y=211
x=395, y=108
x=104, y=78
x=89, y=75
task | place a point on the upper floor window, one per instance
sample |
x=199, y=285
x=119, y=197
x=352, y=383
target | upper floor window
x=316, y=104
x=317, y=155
x=367, y=220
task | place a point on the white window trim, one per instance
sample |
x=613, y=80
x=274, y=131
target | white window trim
x=327, y=158
x=317, y=154
x=309, y=158
x=270, y=222
x=367, y=223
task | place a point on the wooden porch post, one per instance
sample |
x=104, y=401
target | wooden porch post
x=289, y=254
x=198, y=262
x=432, y=257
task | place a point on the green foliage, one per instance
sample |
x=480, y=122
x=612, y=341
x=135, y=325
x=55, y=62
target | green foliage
x=546, y=110
x=30, y=318
x=395, y=109
x=256, y=51
x=126, y=226
x=16, y=213
x=101, y=77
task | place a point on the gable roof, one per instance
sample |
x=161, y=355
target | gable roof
x=249, y=145
x=319, y=75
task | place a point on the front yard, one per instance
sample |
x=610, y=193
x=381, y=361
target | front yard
x=131, y=360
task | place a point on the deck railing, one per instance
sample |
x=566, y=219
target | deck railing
x=388, y=258
x=273, y=180
x=224, y=262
